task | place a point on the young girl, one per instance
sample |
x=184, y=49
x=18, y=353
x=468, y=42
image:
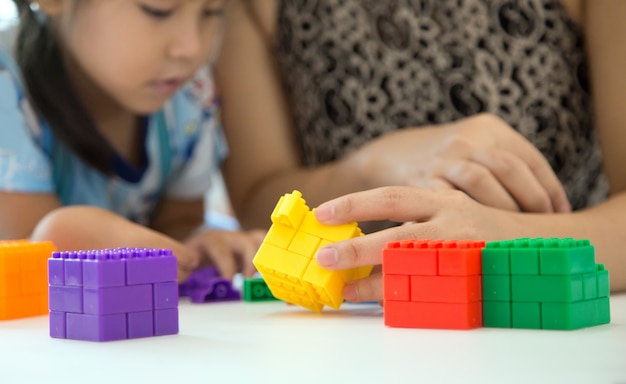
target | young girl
x=109, y=129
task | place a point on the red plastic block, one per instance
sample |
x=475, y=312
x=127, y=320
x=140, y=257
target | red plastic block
x=460, y=258
x=396, y=287
x=433, y=315
x=446, y=289
x=411, y=257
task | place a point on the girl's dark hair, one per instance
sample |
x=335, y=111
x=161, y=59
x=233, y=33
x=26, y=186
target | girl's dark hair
x=40, y=59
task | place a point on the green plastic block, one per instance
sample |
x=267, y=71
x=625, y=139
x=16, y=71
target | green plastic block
x=547, y=289
x=566, y=256
x=590, y=286
x=602, y=276
x=524, y=259
x=256, y=290
x=526, y=315
x=567, y=316
x=497, y=314
x=496, y=258
x=496, y=288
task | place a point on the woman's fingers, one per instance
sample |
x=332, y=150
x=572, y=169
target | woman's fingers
x=537, y=164
x=367, y=250
x=400, y=204
x=480, y=182
x=363, y=290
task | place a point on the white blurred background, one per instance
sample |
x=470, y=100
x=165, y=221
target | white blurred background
x=8, y=14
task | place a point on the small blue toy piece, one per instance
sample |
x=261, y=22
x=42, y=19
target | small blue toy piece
x=206, y=285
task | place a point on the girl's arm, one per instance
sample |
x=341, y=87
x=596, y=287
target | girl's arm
x=20, y=212
x=85, y=227
x=178, y=218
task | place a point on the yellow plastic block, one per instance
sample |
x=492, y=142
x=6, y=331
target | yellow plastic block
x=280, y=236
x=280, y=263
x=286, y=259
x=24, y=278
x=304, y=244
x=333, y=233
x=290, y=210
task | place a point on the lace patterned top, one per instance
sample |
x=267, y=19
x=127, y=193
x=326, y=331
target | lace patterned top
x=357, y=69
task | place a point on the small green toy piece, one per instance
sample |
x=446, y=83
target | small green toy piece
x=256, y=290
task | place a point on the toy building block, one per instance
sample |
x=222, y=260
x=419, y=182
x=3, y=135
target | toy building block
x=286, y=258
x=432, y=284
x=256, y=290
x=543, y=284
x=205, y=285
x=23, y=287
x=113, y=294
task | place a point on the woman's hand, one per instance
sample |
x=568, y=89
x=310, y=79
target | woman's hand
x=229, y=251
x=480, y=155
x=428, y=214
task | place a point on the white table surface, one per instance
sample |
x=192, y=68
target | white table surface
x=241, y=342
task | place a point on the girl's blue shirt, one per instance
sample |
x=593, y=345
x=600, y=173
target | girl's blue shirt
x=184, y=145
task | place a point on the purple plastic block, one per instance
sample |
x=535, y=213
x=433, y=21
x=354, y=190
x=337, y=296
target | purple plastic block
x=104, y=269
x=165, y=322
x=96, y=328
x=145, y=266
x=165, y=295
x=140, y=324
x=205, y=285
x=65, y=299
x=74, y=268
x=56, y=269
x=198, y=278
x=57, y=325
x=220, y=291
x=110, y=300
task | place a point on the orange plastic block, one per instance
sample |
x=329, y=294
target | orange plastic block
x=442, y=279
x=411, y=257
x=460, y=258
x=411, y=314
x=286, y=258
x=446, y=289
x=397, y=287
x=24, y=278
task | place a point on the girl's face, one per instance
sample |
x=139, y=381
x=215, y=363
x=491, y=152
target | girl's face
x=138, y=52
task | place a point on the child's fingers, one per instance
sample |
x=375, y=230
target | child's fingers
x=222, y=256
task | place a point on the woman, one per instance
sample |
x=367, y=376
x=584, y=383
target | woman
x=489, y=97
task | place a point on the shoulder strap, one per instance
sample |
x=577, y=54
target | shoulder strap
x=60, y=162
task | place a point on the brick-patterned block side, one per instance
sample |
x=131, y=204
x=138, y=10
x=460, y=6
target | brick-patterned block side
x=543, y=283
x=23, y=282
x=433, y=284
x=113, y=294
